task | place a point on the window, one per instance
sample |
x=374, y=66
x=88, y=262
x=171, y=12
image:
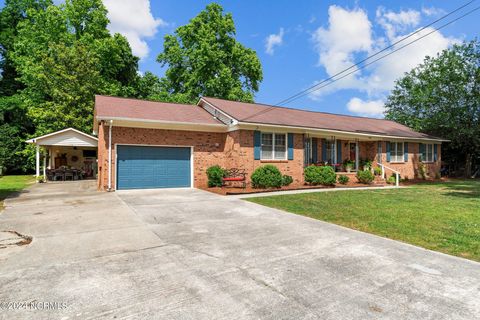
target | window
x=379, y=152
x=427, y=156
x=308, y=152
x=330, y=151
x=396, y=152
x=274, y=146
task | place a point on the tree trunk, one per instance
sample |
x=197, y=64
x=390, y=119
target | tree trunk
x=468, y=165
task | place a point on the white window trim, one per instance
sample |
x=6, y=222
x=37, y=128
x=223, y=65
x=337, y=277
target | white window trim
x=426, y=153
x=395, y=143
x=273, y=146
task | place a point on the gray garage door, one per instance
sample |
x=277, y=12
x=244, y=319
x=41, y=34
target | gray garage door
x=142, y=167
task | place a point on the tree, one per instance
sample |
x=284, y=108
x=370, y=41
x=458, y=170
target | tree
x=204, y=58
x=64, y=55
x=442, y=97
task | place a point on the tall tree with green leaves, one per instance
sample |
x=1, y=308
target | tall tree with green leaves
x=442, y=97
x=205, y=59
x=64, y=55
x=15, y=126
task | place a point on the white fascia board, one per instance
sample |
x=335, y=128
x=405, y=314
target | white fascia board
x=161, y=124
x=329, y=132
x=234, y=121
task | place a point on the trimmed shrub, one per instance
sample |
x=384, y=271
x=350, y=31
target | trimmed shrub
x=267, y=176
x=343, y=179
x=377, y=171
x=365, y=176
x=320, y=175
x=286, y=180
x=215, y=175
x=391, y=180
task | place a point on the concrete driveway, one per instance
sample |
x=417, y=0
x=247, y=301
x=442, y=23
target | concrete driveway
x=189, y=254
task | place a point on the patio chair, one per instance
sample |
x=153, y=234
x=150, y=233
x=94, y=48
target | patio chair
x=50, y=175
x=69, y=174
x=59, y=175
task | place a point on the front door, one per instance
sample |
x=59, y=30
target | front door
x=353, y=151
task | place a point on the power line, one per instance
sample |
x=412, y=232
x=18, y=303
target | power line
x=391, y=52
x=291, y=98
x=332, y=80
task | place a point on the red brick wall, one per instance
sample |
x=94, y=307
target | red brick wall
x=235, y=150
x=208, y=148
x=241, y=155
x=409, y=169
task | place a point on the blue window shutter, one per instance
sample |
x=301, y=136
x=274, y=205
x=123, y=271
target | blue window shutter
x=324, y=150
x=405, y=151
x=257, y=144
x=314, y=150
x=388, y=151
x=435, y=152
x=339, y=151
x=290, y=146
x=421, y=149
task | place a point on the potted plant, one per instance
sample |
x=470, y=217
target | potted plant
x=366, y=164
x=348, y=165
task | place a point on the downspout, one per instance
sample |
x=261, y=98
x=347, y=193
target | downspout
x=110, y=156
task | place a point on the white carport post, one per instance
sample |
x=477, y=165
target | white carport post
x=45, y=154
x=37, y=160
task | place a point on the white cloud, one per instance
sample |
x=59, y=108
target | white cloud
x=394, y=22
x=348, y=32
x=272, y=41
x=134, y=20
x=372, y=108
x=349, y=39
x=432, y=11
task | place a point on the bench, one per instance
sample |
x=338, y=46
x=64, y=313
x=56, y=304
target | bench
x=235, y=175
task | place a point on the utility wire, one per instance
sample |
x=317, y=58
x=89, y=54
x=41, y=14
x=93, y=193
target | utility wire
x=392, y=52
x=291, y=98
x=332, y=80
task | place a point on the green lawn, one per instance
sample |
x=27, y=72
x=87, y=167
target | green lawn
x=442, y=216
x=11, y=184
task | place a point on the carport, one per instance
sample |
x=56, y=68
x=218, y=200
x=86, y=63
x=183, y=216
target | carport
x=67, y=148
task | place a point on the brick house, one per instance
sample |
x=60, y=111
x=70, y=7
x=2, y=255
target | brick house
x=145, y=144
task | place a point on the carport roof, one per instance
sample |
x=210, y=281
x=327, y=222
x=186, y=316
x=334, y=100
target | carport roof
x=67, y=137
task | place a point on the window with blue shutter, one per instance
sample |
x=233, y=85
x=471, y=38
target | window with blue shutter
x=290, y=146
x=435, y=152
x=314, y=150
x=257, y=145
x=379, y=152
x=422, y=151
x=324, y=150
x=405, y=152
x=339, y=151
x=388, y=150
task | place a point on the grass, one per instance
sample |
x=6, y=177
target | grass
x=12, y=184
x=443, y=216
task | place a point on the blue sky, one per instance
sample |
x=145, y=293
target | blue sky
x=309, y=40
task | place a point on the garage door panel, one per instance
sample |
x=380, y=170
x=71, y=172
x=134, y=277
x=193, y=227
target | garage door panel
x=141, y=167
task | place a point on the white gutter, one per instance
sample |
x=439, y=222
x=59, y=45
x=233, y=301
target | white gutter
x=219, y=125
x=110, y=156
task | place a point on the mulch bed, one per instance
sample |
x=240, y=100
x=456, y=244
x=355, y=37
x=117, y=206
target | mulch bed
x=250, y=190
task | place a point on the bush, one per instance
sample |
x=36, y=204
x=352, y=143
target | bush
x=320, y=175
x=343, y=179
x=286, y=180
x=215, y=175
x=365, y=176
x=377, y=171
x=393, y=180
x=267, y=176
